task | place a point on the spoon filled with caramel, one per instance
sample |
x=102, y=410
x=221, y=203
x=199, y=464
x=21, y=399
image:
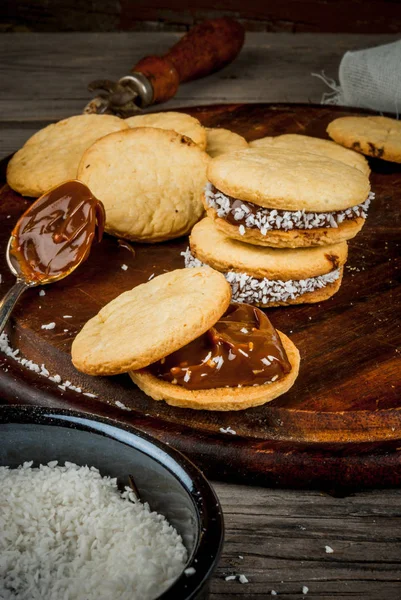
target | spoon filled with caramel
x=51, y=239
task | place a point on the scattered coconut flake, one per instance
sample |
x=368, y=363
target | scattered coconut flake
x=41, y=370
x=190, y=571
x=241, y=557
x=273, y=593
x=251, y=290
x=231, y=355
x=244, y=330
x=121, y=405
x=242, y=352
x=124, y=267
x=228, y=430
x=218, y=360
x=243, y=579
x=151, y=277
x=67, y=316
x=329, y=549
x=207, y=357
x=42, y=293
x=187, y=375
x=48, y=325
x=89, y=395
x=230, y=577
x=241, y=230
x=305, y=590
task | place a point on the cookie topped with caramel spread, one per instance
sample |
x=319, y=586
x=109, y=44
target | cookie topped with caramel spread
x=181, y=341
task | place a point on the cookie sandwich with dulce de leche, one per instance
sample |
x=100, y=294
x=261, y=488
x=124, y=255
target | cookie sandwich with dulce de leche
x=285, y=198
x=182, y=340
x=266, y=276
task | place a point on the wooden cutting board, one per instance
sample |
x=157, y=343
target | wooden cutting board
x=338, y=427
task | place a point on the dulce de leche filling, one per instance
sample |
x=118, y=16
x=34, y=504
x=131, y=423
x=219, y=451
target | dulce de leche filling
x=56, y=232
x=242, y=349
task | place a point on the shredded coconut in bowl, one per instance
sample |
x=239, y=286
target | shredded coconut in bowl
x=68, y=533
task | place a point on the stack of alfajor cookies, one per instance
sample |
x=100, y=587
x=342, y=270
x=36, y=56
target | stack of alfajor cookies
x=279, y=217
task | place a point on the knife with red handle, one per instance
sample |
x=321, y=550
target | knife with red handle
x=206, y=48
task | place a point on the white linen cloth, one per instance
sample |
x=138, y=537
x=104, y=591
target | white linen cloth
x=369, y=78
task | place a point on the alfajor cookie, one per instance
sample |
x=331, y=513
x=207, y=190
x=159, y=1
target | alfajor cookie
x=268, y=276
x=374, y=136
x=306, y=143
x=183, y=342
x=51, y=156
x=281, y=198
x=175, y=121
x=150, y=181
x=151, y=321
x=221, y=141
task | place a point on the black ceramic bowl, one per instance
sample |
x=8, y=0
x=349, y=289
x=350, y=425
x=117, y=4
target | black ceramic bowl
x=165, y=479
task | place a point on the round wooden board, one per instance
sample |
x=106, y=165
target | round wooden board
x=339, y=426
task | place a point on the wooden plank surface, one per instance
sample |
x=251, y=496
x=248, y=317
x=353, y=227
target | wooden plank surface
x=44, y=77
x=282, y=537
x=281, y=534
x=354, y=16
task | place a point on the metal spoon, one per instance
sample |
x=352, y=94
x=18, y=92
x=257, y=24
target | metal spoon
x=11, y=298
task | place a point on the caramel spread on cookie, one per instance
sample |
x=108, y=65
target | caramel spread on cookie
x=242, y=348
x=56, y=232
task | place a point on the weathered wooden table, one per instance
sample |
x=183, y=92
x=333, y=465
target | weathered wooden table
x=289, y=543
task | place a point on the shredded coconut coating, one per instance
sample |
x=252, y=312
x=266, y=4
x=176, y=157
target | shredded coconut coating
x=246, y=288
x=266, y=219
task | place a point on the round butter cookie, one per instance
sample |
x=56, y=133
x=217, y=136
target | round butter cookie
x=288, y=180
x=374, y=136
x=150, y=181
x=151, y=321
x=268, y=276
x=51, y=156
x=221, y=399
x=288, y=199
x=306, y=143
x=175, y=121
x=221, y=141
